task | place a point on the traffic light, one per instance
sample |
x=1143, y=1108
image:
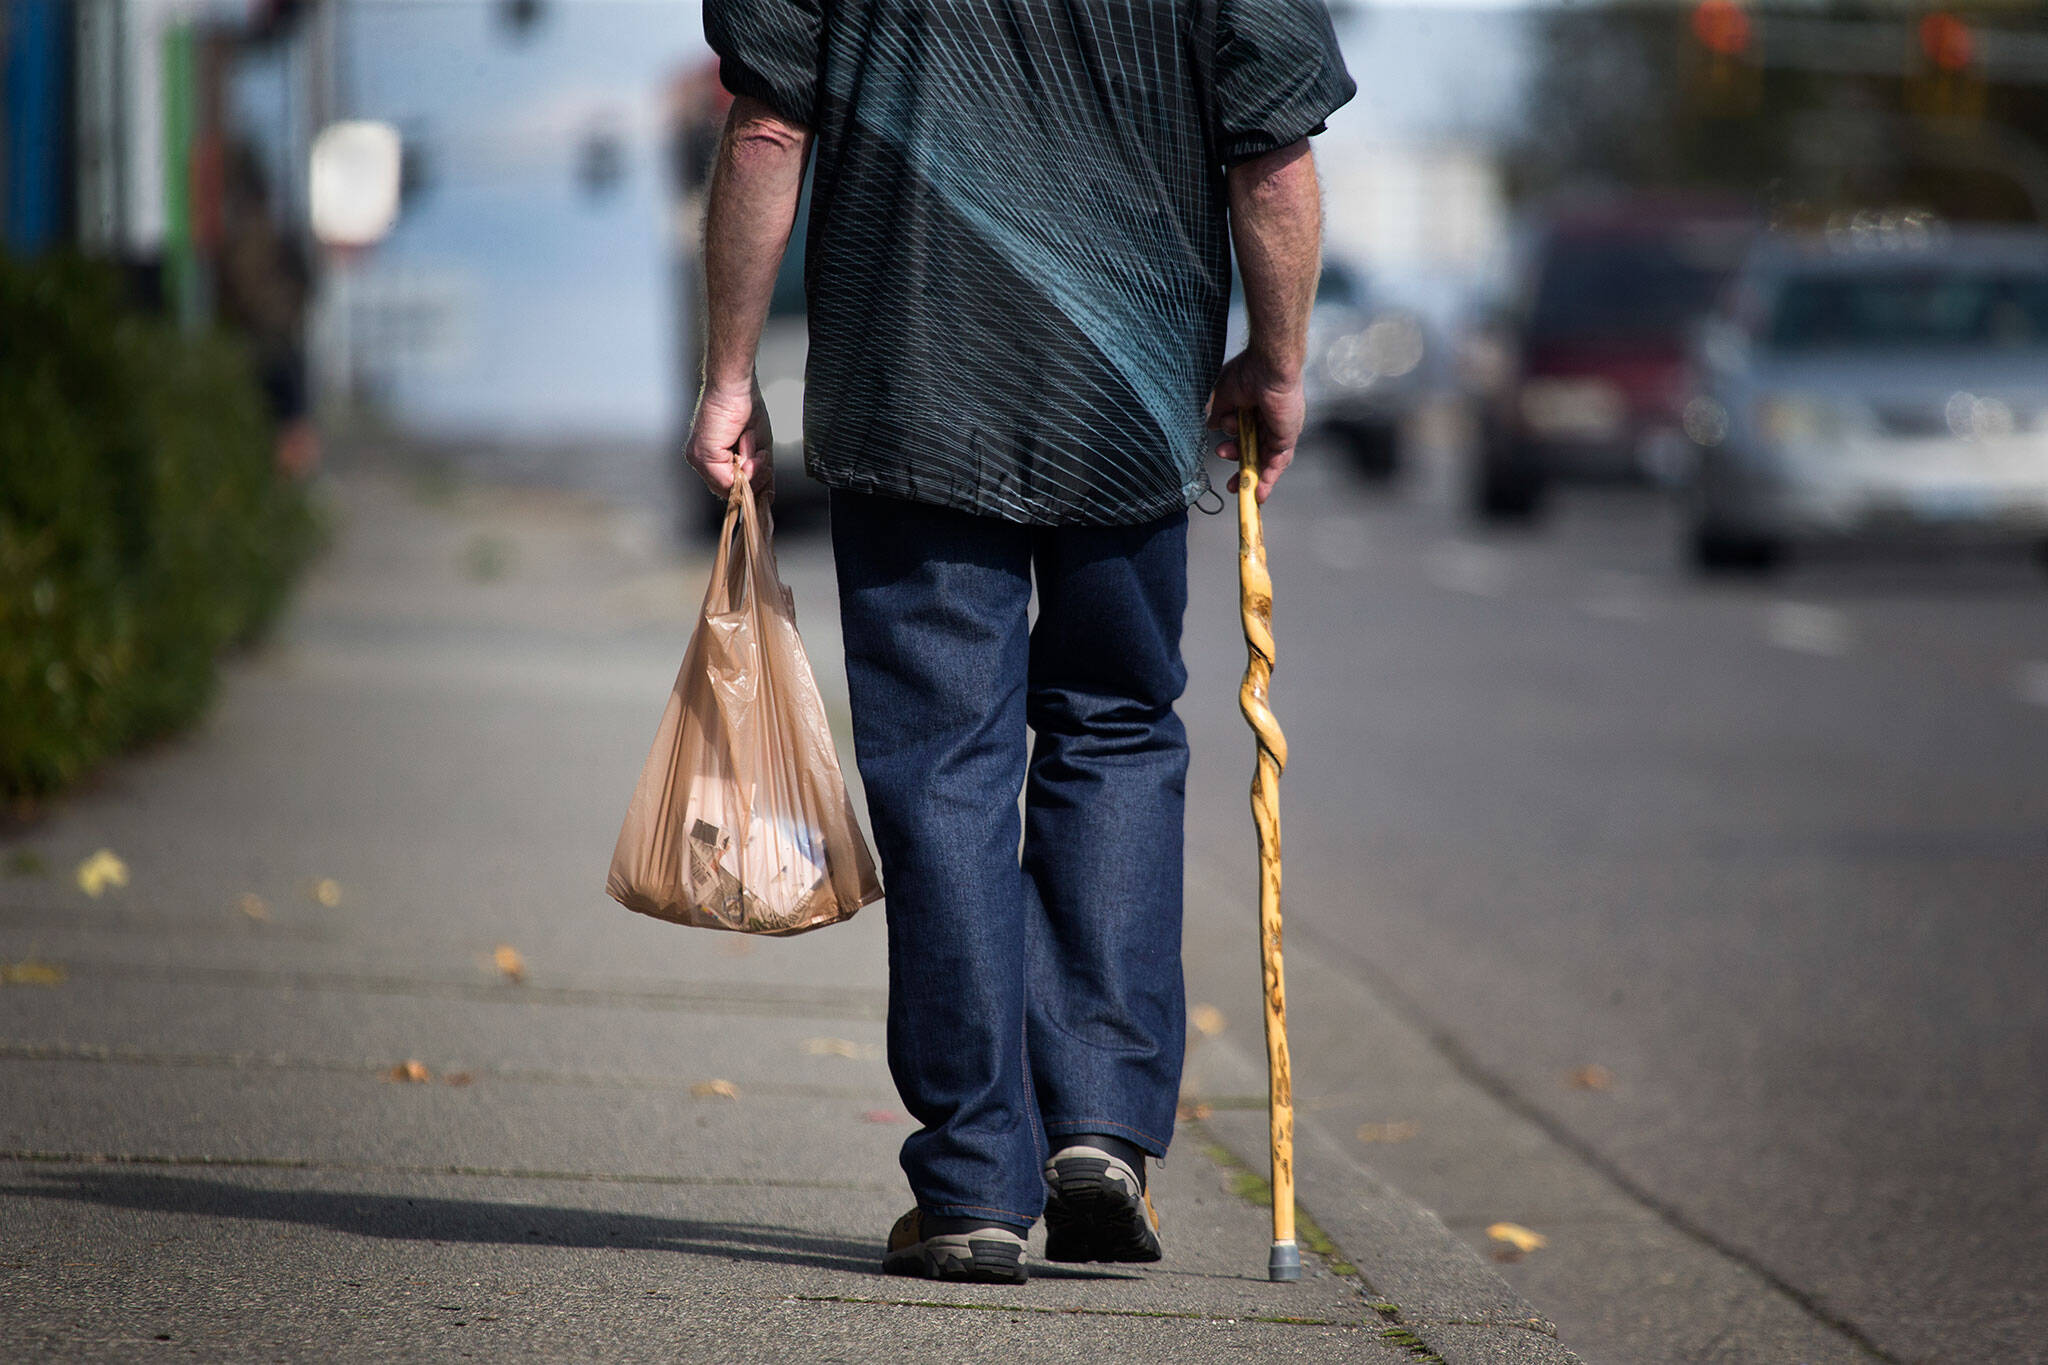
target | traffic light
x=1724, y=76
x=1722, y=27
x=1946, y=42
x=1944, y=79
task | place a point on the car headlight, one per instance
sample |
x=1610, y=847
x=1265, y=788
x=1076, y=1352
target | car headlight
x=1387, y=348
x=1971, y=417
x=1704, y=421
x=1800, y=419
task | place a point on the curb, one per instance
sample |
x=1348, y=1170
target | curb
x=1436, y=1297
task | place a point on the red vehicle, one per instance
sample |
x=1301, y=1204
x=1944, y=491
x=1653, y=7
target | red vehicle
x=1595, y=348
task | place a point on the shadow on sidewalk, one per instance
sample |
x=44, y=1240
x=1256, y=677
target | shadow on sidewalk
x=427, y=1219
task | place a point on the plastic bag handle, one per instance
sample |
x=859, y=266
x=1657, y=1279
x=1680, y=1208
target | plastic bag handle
x=740, y=513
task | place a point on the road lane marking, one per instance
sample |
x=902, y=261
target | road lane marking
x=1460, y=566
x=2033, y=682
x=1620, y=597
x=1807, y=629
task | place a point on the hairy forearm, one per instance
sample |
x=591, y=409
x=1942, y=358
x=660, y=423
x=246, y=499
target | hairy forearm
x=1276, y=221
x=755, y=185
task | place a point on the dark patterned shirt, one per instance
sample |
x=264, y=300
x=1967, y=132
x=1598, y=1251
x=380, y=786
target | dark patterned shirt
x=1018, y=263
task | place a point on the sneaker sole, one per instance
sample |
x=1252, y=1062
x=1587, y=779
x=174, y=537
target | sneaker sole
x=977, y=1259
x=1091, y=1215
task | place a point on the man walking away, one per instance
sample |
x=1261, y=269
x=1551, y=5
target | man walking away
x=1018, y=271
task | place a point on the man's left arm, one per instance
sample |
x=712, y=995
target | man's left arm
x=755, y=185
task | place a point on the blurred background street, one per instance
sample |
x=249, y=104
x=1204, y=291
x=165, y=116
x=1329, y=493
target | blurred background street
x=1662, y=604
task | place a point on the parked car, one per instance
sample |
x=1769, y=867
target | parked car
x=1873, y=384
x=1365, y=369
x=1590, y=371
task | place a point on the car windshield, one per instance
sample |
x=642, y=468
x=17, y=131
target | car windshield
x=1929, y=309
x=1620, y=288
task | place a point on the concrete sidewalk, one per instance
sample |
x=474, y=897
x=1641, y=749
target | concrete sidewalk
x=362, y=1064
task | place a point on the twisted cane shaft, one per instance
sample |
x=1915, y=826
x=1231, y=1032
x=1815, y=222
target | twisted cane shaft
x=1255, y=601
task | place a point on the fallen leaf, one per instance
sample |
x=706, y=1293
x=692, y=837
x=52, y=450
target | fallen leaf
x=881, y=1116
x=722, y=1088
x=487, y=557
x=254, y=906
x=1208, y=1020
x=101, y=871
x=409, y=1072
x=457, y=1078
x=1520, y=1240
x=838, y=1047
x=29, y=972
x=1401, y=1130
x=1592, y=1076
x=507, y=960
x=327, y=891
x=1194, y=1109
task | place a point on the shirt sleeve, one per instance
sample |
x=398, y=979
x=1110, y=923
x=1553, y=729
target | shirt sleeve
x=1278, y=75
x=769, y=49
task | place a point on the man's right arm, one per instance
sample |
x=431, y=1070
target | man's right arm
x=1276, y=221
x=755, y=185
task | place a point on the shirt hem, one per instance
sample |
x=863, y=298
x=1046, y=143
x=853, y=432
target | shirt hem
x=1030, y=513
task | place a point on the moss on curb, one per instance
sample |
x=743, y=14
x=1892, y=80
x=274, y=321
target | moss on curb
x=1248, y=1185
x=1254, y=1188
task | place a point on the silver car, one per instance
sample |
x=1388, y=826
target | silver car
x=1366, y=368
x=1886, y=379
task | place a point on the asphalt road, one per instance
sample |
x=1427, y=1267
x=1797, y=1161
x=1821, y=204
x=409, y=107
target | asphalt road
x=1772, y=853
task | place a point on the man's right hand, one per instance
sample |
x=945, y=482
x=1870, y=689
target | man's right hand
x=730, y=437
x=1249, y=382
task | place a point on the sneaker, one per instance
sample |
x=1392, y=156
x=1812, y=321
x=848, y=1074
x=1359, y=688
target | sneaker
x=935, y=1248
x=1097, y=1208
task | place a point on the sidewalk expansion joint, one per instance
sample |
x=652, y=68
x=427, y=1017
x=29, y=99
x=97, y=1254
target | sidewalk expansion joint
x=1502, y=1091
x=230, y=926
x=321, y=1165
x=11, y=1051
x=1052, y=1310
x=704, y=999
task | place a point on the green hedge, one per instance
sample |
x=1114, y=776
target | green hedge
x=142, y=528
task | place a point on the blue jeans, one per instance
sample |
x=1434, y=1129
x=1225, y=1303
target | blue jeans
x=1037, y=996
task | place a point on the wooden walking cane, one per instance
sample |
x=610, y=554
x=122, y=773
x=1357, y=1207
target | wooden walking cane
x=1255, y=601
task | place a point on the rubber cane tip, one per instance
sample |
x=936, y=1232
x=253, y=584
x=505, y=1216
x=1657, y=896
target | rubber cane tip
x=1283, y=1262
